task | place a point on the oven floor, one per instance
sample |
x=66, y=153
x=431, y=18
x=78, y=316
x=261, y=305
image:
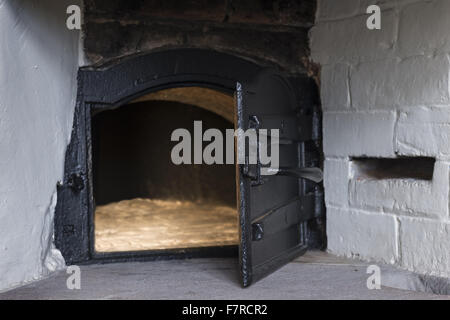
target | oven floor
x=146, y=224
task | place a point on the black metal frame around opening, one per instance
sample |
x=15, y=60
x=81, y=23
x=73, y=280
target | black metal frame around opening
x=115, y=84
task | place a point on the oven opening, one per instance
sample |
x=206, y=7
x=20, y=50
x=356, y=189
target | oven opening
x=142, y=200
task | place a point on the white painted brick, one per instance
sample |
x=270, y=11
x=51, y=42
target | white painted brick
x=424, y=132
x=404, y=70
x=424, y=27
x=332, y=9
x=335, y=92
x=354, y=233
x=349, y=40
x=425, y=246
x=385, y=4
x=341, y=9
x=336, y=179
x=393, y=83
x=407, y=196
x=359, y=134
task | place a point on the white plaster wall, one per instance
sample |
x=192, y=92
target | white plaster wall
x=38, y=65
x=385, y=93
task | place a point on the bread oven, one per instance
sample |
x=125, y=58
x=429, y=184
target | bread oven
x=124, y=199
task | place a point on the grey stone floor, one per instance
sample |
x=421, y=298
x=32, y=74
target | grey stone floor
x=314, y=276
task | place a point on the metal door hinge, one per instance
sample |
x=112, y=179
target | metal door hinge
x=76, y=182
x=253, y=171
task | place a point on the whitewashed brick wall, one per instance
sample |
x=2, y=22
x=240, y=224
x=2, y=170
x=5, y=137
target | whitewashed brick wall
x=38, y=84
x=386, y=93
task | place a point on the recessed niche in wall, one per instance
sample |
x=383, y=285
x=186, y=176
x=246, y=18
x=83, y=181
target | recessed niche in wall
x=418, y=168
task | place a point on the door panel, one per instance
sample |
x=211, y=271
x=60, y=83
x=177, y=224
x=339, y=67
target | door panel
x=274, y=191
x=272, y=211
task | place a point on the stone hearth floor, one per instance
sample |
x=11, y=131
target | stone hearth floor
x=316, y=275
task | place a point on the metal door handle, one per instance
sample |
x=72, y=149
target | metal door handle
x=313, y=174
